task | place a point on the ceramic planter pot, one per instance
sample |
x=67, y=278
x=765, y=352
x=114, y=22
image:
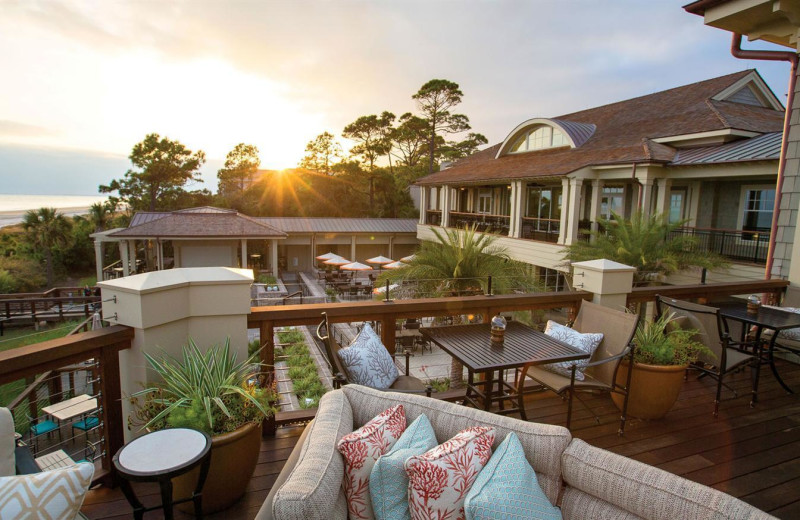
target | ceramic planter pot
x=654, y=389
x=234, y=456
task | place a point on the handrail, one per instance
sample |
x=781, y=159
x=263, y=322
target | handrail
x=296, y=293
x=43, y=294
x=489, y=215
x=708, y=291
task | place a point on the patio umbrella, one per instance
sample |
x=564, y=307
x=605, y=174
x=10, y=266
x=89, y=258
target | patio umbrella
x=355, y=266
x=380, y=260
x=337, y=260
x=394, y=265
x=327, y=256
x=408, y=258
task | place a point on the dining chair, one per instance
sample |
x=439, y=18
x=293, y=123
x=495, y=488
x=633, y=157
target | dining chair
x=618, y=329
x=712, y=331
x=41, y=427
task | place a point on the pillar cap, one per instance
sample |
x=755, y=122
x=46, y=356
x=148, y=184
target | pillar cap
x=170, y=278
x=604, y=265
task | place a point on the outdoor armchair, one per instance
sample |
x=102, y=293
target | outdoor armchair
x=404, y=383
x=617, y=328
x=712, y=331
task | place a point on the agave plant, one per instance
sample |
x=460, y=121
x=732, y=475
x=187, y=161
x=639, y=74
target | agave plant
x=207, y=390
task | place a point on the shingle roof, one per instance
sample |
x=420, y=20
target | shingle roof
x=341, y=225
x=763, y=147
x=200, y=225
x=622, y=135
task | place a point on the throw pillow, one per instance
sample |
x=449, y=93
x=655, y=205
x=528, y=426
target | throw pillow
x=440, y=479
x=388, y=482
x=792, y=334
x=507, y=488
x=586, y=342
x=367, y=361
x=360, y=450
x=56, y=494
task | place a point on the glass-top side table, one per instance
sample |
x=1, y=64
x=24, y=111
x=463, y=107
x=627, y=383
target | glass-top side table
x=160, y=456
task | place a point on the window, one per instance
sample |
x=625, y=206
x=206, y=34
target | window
x=463, y=200
x=757, y=210
x=544, y=202
x=612, y=200
x=551, y=279
x=540, y=138
x=485, y=201
x=677, y=200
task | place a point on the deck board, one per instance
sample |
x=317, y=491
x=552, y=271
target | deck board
x=751, y=453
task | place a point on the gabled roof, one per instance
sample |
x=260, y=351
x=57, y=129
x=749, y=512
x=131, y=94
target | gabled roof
x=341, y=225
x=623, y=134
x=203, y=224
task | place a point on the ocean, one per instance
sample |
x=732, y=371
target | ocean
x=13, y=207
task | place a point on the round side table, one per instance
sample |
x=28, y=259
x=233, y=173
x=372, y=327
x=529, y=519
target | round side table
x=158, y=457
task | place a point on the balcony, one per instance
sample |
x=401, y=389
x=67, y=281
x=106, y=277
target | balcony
x=496, y=224
x=433, y=217
x=740, y=246
x=542, y=229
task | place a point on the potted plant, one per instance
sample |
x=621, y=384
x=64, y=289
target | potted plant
x=662, y=354
x=210, y=391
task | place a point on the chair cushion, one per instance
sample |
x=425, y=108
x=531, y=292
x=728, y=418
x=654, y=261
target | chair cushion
x=586, y=342
x=87, y=424
x=440, y=479
x=388, y=482
x=507, y=488
x=361, y=449
x=43, y=427
x=367, y=361
x=7, y=444
x=57, y=494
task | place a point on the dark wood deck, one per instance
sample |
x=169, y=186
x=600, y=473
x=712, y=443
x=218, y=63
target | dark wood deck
x=751, y=453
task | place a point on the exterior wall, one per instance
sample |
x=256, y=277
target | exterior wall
x=787, y=244
x=207, y=253
x=298, y=257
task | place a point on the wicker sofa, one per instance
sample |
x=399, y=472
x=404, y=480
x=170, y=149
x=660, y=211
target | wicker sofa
x=586, y=482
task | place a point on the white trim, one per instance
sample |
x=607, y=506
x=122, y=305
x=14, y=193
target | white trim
x=721, y=134
x=511, y=139
x=761, y=90
x=742, y=200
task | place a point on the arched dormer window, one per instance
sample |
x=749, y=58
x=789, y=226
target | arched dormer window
x=540, y=138
x=541, y=134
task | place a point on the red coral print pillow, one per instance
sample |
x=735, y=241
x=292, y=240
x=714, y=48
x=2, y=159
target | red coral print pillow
x=360, y=450
x=440, y=478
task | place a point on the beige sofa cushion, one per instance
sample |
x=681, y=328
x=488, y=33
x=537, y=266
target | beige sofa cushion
x=7, y=444
x=599, y=478
x=313, y=490
x=542, y=443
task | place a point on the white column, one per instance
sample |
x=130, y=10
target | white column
x=646, y=190
x=160, y=253
x=594, y=207
x=423, y=204
x=662, y=201
x=273, y=252
x=244, y=253
x=446, y=198
x=123, y=254
x=694, y=203
x=573, y=216
x=517, y=208
x=391, y=247
x=98, y=258
x=353, y=249
x=313, y=250
x=562, y=229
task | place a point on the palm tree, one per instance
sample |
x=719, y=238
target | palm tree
x=459, y=263
x=99, y=215
x=648, y=243
x=44, y=230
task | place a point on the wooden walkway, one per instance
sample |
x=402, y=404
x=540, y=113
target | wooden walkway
x=751, y=453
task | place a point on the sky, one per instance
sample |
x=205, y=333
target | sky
x=83, y=81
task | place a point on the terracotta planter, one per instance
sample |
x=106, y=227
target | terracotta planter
x=654, y=389
x=234, y=457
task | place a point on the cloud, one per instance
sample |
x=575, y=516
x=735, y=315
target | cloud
x=17, y=129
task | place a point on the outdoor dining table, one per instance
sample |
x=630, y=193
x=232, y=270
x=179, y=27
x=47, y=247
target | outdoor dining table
x=472, y=346
x=765, y=318
x=78, y=405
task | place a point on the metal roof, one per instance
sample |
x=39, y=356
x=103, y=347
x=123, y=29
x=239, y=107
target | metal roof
x=202, y=224
x=578, y=132
x=340, y=225
x=767, y=146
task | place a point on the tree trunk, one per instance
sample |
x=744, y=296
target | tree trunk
x=431, y=145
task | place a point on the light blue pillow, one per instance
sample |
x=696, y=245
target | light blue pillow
x=388, y=482
x=367, y=361
x=507, y=488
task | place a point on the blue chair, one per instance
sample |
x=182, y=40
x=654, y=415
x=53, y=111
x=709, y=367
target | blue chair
x=86, y=425
x=41, y=428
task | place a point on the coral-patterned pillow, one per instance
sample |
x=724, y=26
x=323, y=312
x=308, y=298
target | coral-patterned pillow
x=440, y=478
x=360, y=450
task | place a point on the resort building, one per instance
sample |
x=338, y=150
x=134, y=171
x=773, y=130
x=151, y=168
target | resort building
x=706, y=153
x=215, y=237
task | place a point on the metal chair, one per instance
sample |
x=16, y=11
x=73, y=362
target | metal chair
x=618, y=329
x=39, y=428
x=404, y=383
x=712, y=331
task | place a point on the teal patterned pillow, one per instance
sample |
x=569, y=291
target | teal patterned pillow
x=388, y=482
x=506, y=488
x=367, y=361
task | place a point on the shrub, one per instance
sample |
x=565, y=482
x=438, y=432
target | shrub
x=23, y=274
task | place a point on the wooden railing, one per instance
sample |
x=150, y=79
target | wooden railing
x=709, y=292
x=102, y=345
x=50, y=307
x=55, y=292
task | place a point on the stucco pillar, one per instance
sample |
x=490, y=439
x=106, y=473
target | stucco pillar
x=662, y=201
x=244, y=254
x=446, y=197
x=573, y=215
x=609, y=281
x=353, y=249
x=423, y=204
x=123, y=254
x=273, y=253
x=562, y=229
x=391, y=247
x=694, y=203
x=131, y=255
x=98, y=258
x=160, y=252
x=646, y=195
x=594, y=207
x=517, y=207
